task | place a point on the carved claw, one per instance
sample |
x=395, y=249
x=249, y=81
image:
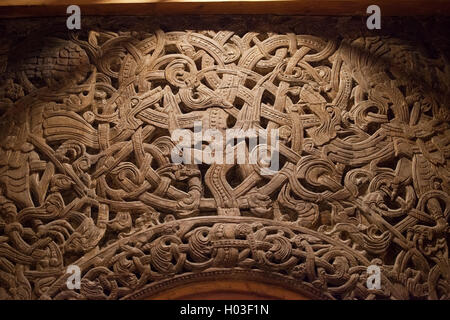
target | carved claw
x=421, y=233
x=426, y=232
x=260, y=204
x=189, y=205
x=178, y=172
x=376, y=199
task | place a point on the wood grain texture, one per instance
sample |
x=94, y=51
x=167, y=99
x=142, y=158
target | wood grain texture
x=88, y=177
x=28, y=8
x=228, y=290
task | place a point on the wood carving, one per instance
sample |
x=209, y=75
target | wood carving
x=86, y=176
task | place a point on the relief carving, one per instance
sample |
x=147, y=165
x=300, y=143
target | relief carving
x=86, y=176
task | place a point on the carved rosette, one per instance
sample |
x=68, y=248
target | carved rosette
x=86, y=176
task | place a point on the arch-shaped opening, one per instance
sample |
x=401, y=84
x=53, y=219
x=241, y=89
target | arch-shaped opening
x=228, y=290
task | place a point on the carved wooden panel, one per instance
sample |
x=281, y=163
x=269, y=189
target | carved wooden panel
x=86, y=176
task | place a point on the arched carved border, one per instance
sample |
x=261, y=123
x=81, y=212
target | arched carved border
x=231, y=284
x=182, y=251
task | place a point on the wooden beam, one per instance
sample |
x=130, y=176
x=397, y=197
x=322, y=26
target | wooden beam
x=30, y=8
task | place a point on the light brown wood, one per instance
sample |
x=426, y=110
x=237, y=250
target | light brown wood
x=88, y=175
x=26, y=8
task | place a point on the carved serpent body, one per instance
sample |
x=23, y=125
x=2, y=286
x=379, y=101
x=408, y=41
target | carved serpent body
x=86, y=175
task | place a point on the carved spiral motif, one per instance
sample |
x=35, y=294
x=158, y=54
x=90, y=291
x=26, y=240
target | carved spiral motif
x=86, y=176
